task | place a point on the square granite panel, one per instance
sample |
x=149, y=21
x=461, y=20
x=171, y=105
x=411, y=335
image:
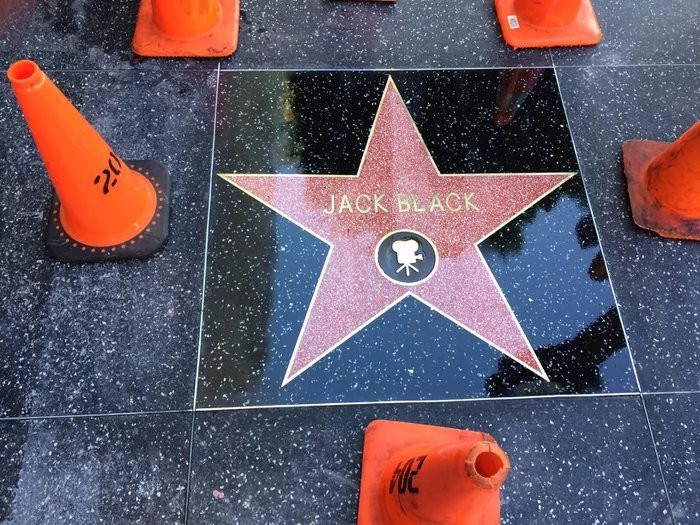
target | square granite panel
x=575, y=460
x=77, y=34
x=263, y=269
x=648, y=32
x=299, y=34
x=114, y=469
x=656, y=280
x=675, y=421
x=111, y=337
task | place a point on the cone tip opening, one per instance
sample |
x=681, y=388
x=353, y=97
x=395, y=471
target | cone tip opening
x=25, y=73
x=487, y=465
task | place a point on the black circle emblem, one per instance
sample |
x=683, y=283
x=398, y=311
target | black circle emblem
x=406, y=257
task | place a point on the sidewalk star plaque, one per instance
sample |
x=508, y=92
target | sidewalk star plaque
x=398, y=228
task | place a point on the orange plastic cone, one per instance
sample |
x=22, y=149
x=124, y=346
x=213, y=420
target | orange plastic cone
x=663, y=181
x=105, y=208
x=186, y=28
x=420, y=474
x=548, y=23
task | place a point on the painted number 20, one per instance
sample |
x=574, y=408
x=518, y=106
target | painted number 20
x=115, y=168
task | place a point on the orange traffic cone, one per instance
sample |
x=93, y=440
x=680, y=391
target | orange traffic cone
x=663, y=180
x=105, y=208
x=419, y=474
x=186, y=28
x=548, y=23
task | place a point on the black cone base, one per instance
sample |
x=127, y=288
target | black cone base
x=62, y=247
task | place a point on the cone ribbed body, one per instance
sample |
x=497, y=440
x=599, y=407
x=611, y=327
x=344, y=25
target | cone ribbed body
x=186, y=18
x=674, y=176
x=547, y=13
x=444, y=489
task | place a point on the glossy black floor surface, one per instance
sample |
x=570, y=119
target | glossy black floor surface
x=151, y=391
x=411, y=352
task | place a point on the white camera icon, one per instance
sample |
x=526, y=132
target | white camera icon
x=407, y=256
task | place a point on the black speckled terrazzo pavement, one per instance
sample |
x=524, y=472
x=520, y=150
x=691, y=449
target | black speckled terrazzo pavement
x=152, y=391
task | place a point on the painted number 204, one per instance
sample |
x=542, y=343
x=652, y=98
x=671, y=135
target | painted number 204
x=402, y=478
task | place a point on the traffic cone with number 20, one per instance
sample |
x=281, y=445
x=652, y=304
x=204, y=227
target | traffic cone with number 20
x=104, y=207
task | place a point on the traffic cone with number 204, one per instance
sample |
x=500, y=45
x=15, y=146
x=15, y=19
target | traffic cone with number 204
x=104, y=207
x=419, y=474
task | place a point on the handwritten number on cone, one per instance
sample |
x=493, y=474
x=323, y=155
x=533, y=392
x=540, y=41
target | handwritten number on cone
x=115, y=168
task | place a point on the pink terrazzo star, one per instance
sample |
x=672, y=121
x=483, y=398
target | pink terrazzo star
x=396, y=179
